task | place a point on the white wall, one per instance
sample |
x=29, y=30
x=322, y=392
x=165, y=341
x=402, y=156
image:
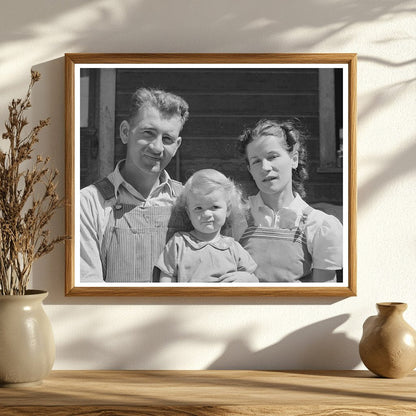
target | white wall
x=201, y=333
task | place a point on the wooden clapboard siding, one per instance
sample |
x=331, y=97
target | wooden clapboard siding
x=243, y=104
x=192, y=81
x=208, y=127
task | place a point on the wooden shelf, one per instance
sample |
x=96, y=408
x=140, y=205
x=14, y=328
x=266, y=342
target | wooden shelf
x=203, y=393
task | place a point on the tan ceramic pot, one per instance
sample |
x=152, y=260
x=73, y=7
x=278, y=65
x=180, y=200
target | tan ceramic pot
x=27, y=347
x=388, y=345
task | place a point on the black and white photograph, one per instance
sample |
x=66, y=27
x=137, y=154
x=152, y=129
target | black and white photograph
x=210, y=175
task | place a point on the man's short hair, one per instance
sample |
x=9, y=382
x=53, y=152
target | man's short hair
x=167, y=103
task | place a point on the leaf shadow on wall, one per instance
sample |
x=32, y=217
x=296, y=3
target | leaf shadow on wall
x=146, y=345
x=242, y=26
x=316, y=346
x=313, y=347
x=396, y=167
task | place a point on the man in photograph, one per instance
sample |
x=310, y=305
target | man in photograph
x=125, y=218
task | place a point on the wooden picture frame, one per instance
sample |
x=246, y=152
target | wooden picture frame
x=330, y=107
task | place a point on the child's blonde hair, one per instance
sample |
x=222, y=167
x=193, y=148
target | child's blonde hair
x=211, y=180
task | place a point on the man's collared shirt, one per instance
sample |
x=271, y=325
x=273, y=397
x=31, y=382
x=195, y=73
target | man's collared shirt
x=125, y=193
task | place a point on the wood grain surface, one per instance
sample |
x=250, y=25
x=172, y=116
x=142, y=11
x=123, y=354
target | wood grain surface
x=203, y=393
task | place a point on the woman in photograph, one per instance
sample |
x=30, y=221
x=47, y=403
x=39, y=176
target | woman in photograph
x=288, y=239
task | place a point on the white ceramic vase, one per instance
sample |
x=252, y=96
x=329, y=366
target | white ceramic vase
x=27, y=346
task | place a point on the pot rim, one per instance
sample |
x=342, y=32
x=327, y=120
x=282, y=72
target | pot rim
x=391, y=303
x=391, y=306
x=32, y=293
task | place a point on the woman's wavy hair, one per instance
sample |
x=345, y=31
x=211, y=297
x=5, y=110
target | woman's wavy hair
x=204, y=182
x=294, y=135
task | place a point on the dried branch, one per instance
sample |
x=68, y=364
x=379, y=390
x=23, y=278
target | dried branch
x=24, y=217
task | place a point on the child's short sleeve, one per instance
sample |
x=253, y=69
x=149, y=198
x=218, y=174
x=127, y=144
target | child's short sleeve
x=168, y=260
x=245, y=262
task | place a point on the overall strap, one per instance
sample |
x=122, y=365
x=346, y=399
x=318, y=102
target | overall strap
x=306, y=212
x=105, y=187
x=308, y=209
x=302, y=223
x=250, y=220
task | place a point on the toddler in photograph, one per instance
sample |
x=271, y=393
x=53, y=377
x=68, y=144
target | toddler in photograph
x=212, y=202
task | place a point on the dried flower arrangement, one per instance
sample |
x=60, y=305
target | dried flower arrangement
x=28, y=199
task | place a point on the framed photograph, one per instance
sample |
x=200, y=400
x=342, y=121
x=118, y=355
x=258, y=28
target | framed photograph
x=211, y=174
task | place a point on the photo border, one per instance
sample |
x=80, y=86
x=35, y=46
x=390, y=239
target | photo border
x=246, y=290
